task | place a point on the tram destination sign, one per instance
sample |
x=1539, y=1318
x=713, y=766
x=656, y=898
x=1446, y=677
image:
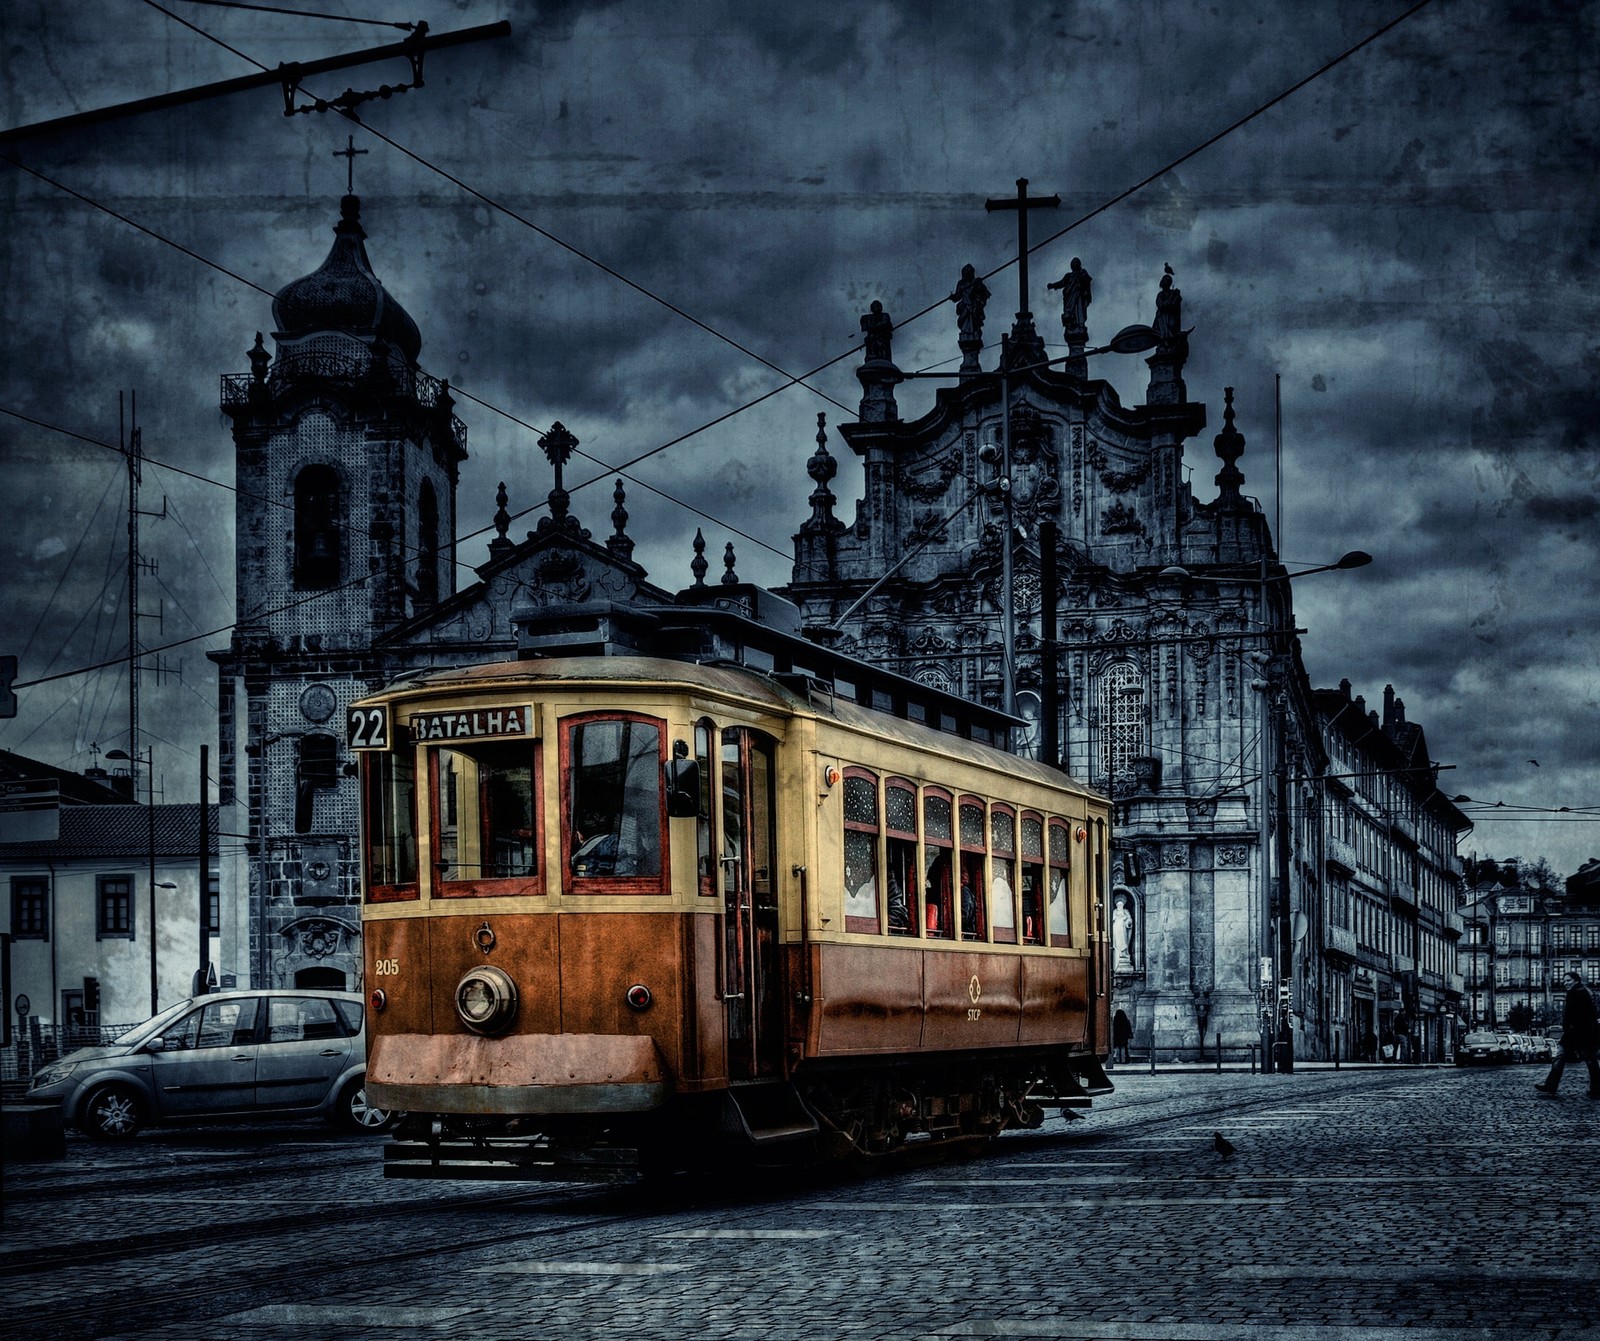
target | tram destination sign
x=471, y=723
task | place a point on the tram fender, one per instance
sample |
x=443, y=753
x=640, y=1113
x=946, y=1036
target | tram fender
x=525, y=1073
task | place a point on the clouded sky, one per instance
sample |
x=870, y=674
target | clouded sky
x=1409, y=242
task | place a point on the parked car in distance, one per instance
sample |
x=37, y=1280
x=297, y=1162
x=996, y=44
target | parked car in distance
x=1485, y=1047
x=249, y=1054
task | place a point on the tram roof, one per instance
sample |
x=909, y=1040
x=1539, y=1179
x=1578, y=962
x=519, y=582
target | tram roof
x=781, y=693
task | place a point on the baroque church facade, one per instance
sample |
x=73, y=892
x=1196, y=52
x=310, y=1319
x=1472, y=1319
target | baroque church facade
x=1042, y=546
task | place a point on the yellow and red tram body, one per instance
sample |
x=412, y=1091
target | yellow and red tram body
x=635, y=902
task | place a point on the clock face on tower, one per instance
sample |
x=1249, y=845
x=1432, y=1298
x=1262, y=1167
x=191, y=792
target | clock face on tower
x=317, y=703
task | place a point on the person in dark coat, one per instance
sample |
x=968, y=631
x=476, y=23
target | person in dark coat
x=1580, y=1037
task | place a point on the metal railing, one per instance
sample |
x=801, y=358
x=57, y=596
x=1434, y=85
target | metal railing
x=40, y=1044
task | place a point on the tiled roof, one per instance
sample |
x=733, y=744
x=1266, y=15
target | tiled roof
x=120, y=831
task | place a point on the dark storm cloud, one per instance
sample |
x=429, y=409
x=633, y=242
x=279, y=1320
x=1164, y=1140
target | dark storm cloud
x=1410, y=242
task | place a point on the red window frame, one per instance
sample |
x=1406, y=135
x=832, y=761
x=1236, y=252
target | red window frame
x=1004, y=935
x=938, y=893
x=1058, y=857
x=974, y=862
x=1033, y=928
x=371, y=760
x=906, y=854
x=705, y=754
x=597, y=885
x=499, y=887
x=870, y=925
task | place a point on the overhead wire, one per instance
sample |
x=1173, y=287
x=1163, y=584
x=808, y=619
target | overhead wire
x=793, y=378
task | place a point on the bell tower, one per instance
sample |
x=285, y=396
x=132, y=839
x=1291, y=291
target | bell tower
x=348, y=456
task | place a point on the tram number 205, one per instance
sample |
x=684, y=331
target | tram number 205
x=368, y=728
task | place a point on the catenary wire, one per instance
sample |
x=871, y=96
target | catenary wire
x=793, y=378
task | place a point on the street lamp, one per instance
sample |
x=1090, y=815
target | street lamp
x=148, y=760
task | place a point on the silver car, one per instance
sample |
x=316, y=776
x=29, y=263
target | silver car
x=288, y=1053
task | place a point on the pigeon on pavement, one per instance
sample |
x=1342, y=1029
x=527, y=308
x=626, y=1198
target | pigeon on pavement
x=1223, y=1145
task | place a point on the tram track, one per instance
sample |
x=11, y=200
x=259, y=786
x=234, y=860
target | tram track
x=588, y=1209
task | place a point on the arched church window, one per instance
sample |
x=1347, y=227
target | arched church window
x=316, y=528
x=428, y=545
x=1122, y=718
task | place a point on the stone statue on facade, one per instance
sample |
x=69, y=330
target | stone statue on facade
x=1168, y=324
x=1122, y=936
x=878, y=329
x=1077, y=292
x=970, y=297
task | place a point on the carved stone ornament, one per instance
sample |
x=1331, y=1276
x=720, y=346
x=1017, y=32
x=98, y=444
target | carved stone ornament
x=1174, y=856
x=925, y=528
x=1233, y=856
x=930, y=479
x=319, y=940
x=1120, y=519
x=317, y=702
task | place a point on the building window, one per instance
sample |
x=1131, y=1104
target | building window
x=115, y=901
x=30, y=908
x=428, y=545
x=316, y=529
x=1122, y=718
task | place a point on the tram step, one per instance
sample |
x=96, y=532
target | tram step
x=764, y=1114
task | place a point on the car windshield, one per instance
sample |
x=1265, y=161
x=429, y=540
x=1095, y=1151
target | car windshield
x=154, y=1025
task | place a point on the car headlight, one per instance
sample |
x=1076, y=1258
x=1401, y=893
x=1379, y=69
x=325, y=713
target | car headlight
x=51, y=1074
x=486, y=1000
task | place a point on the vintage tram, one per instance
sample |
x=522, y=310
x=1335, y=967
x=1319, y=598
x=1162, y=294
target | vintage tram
x=634, y=910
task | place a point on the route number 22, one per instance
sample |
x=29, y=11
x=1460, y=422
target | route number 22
x=368, y=728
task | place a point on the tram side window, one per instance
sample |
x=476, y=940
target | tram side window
x=486, y=815
x=705, y=858
x=938, y=837
x=900, y=850
x=1032, y=879
x=390, y=782
x=973, y=860
x=1003, y=873
x=614, y=814
x=1058, y=915
x=861, y=852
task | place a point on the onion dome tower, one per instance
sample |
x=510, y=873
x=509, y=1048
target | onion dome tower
x=342, y=424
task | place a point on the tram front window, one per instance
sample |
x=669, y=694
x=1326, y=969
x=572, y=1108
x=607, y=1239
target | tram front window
x=486, y=814
x=614, y=799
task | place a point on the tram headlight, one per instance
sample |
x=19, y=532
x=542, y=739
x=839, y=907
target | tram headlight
x=486, y=1000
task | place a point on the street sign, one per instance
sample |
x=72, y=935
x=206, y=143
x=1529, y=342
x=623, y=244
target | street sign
x=30, y=810
x=22, y=1004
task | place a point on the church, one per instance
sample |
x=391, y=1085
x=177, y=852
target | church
x=1030, y=544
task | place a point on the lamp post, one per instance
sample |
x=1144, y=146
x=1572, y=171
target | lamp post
x=148, y=761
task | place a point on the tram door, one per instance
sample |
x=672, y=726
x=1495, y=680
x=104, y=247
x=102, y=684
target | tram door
x=750, y=901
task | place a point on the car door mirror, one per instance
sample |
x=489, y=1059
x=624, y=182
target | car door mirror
x=156, y=1044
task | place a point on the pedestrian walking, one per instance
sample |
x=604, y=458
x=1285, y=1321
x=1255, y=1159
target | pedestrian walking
x=1121, y=1036
x=1580, y=1037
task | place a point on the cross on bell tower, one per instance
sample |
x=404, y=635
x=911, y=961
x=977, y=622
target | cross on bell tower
x=1024, y=345
x=348, y=153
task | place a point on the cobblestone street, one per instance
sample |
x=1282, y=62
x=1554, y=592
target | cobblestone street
x=1448, y=1203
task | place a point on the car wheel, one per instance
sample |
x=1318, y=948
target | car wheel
x=112, y=1113
x=354, y=1112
